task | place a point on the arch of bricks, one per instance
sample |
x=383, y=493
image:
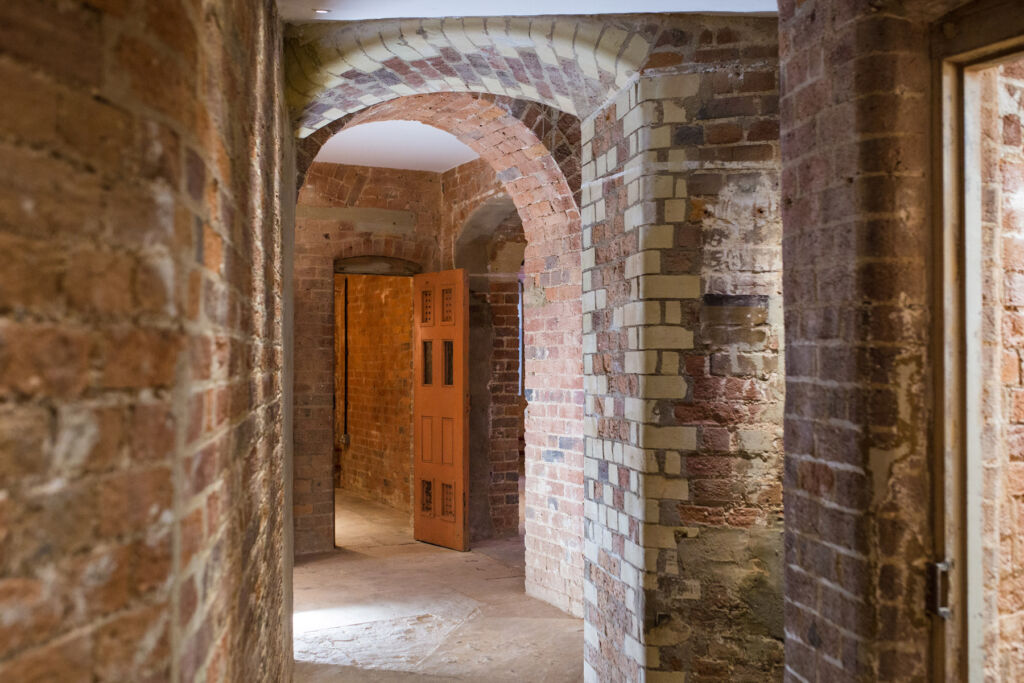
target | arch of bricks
x=558, y=130
x=553, y=330
x=574, y=64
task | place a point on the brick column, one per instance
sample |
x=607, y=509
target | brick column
x=856, y=246
x=682, y=327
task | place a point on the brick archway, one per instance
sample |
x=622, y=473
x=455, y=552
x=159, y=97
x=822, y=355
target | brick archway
x=530, y=175
x=575, y=64
x=558, y=130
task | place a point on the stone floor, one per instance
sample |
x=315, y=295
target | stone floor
x=386, y=608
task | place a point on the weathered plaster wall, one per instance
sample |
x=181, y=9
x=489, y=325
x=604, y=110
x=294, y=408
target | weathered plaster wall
x=141, y=454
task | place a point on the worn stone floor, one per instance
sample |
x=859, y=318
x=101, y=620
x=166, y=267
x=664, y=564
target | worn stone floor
x=383, y=607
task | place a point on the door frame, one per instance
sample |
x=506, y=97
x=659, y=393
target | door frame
x=962, y=43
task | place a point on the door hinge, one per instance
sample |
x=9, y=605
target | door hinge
x=938, y=588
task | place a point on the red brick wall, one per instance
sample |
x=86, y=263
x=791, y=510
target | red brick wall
x=466, y=188
x=496, y=434
x=141, y=454
x=1002, y=175
x=377, y=462
x=507, y=418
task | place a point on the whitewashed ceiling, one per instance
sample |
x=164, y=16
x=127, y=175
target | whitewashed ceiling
x=396, y=144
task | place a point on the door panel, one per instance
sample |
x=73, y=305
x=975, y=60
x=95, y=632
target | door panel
x=440, y=407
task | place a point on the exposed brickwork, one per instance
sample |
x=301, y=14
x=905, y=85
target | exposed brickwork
x=377, y=462
x=855, y=130
x=1002, y=176
x=507, y=427
x=682, y=330
x=466, y=189
x=573, y=64
x=554, y=448
x=560, y=133
x=492, y=253
x=141, y=455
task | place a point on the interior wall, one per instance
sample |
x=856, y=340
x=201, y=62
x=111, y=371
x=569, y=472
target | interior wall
x=553, y=368
x=857, y=244
x=1002, y=182
x=376, y=462
x=141, y=454
x=493, y=255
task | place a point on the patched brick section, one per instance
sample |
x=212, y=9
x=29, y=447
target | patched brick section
x=376, y=462
x=321, y=238
x=682, y=331
x=573, y=64
x=1002, y=177
x=141, y=455
x=857, y=241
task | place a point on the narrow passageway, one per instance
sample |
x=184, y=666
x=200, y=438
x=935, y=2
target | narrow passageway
x=383, y=607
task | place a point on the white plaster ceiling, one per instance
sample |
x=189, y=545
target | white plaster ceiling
x=355, y=10
x=396, y=144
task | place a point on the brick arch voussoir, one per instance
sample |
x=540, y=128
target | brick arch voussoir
x=571, y=63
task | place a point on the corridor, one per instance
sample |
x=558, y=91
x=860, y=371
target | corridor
x=383, y=607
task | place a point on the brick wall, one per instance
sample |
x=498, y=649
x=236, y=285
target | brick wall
x=1002, y=176
x=141, y=454
x=682, y=336
x=492, y=253
x=855, y=131
x=466, y=189
x=571, y=63
x=377, y=462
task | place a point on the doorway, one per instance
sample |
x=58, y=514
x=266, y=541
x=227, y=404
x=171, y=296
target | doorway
x=978, y=578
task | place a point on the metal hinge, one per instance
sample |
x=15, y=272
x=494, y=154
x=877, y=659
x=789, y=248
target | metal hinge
x=938, y=588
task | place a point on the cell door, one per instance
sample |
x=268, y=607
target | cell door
x=441, y=408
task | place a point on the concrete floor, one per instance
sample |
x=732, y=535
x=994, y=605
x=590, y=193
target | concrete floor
x=386, y=608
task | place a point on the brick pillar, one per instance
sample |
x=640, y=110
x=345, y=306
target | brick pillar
x=855, y=113
x=682, y=331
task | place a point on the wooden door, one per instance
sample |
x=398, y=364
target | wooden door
x=441, y=408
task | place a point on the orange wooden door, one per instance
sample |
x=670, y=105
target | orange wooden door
x=440, y=408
